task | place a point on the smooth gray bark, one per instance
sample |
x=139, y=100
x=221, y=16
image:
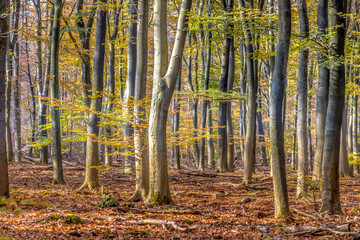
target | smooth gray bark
x=55, y=93
x=322, y=92
x=163, y=89
x=302, y=138
x=141, y=152
x=281, y=201
x=334, y=116
x=4, y=28
x=92, y=145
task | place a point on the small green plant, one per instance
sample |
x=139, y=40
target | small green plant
x=72, y=219
x=188, y=221
x=108, y=201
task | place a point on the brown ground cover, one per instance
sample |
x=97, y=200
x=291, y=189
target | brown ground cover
x=208, y=206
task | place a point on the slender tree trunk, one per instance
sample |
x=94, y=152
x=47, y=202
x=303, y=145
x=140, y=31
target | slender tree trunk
x=302, y=137
x=55, y=94
x=355, y=148
x=130, y=83
x=9, y=146
x=206, y=104
x=281, y=201
x=141, y=153
x=250, y=135
x=229, y=123
x=334, y=116
x=261, y=133
x=4, y=28
x=322, y=92
x=163, y=89
x=92, y=145
x=344, y=167
x=17, y=99
x=224, y=78
x=176, y=124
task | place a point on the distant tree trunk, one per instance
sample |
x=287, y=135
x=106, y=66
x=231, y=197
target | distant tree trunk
x=261, y=133
x=92, y=145
x=302, y=137
x=344, y=167
x=229, y=124
x=4, y=28
x=130, y=83
x=206, y=103
x=210, y=140
x=141, y=153
x=176, y=124
x=250, y=135
x=43, y=82
x=163, y=89
x=224, y=78
x=281, y=201
x=310, y=84
x=111, y=65
x=55, y=95
x=9, y=146
x=16, y=73
x=355, y=148
x=334, y=116
x=322, y=92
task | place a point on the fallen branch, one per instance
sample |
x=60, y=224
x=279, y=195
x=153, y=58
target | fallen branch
x=341, y=230
x=308, y=215
x=184, y=211
x=171, y=224
x=31, y=159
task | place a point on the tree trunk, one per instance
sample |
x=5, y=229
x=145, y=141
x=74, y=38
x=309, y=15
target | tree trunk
x=130, y=84
x=281, y=201
x=302, y=138
x=250, y=135
x=176, y=124
x=322, y=92
x=17, y=109
x=4, y=28
x=163, y=89
x=9, y=146
x=334, y=116
x=206, y=104
x=355, y=148
x=141, y=153
x=229, y=123
x=55, y=95
x=92, y=145
x=261, y=133
x=344, y=167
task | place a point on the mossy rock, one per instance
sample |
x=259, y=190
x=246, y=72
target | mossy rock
x=72, y=219
x=108, y=201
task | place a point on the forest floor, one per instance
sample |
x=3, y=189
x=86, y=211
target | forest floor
x=208, y=206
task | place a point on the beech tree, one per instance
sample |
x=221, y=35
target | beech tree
x=165, y=76
x=55, y=92
x=4, y=28
x=281, y=201
x=92, y=145
x=334, y=115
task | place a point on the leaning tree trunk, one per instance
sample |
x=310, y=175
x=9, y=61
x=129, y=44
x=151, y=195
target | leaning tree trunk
x=334, y=116
x=141, y=153
x=302, y=137
x=163, y=90
x=281, y=201
x=92, y=145
x=322, y=92
x=55, y=94
x=4, y=28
